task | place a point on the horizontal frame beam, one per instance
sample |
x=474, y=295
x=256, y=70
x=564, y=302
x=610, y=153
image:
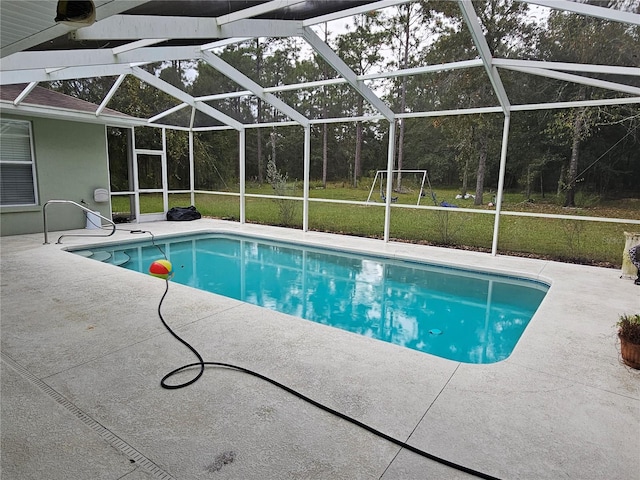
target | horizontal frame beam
x=568, y=77
x=589, y=10
x=136, y=27
x=256, y=10
x=568, y=67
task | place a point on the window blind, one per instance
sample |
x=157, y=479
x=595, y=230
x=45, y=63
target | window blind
x=16, y=165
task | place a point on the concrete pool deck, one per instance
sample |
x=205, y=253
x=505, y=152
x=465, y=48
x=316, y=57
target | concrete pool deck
x=83, y=352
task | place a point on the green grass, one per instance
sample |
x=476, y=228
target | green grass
x=559, y=239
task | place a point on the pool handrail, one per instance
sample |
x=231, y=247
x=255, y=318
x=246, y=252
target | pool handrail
x=82, y=207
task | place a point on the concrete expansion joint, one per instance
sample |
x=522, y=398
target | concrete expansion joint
x=435, y=399
x=107, y=435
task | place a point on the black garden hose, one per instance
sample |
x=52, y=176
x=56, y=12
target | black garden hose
x=201, y=364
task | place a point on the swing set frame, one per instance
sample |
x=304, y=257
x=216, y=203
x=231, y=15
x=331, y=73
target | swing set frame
x=382, y=173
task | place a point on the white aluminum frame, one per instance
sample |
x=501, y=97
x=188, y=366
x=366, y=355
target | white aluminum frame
x=145, y=32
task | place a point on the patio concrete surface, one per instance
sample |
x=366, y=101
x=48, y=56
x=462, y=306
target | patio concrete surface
x=83, y=352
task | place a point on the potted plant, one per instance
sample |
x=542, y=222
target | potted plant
x=629, y=334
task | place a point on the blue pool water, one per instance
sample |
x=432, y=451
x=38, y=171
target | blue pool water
x=456, y=314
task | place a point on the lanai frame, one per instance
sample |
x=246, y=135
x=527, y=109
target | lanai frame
x=32, y=67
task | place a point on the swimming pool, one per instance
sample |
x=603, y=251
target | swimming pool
x=458, y=314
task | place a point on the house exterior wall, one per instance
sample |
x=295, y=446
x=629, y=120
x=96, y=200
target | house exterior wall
x=71, y=162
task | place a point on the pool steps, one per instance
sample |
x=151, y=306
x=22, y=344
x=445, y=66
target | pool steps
x=102, y=256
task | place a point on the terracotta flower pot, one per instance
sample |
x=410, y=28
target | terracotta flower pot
x=630, y=353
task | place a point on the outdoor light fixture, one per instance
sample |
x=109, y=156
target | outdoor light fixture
x=76, y=13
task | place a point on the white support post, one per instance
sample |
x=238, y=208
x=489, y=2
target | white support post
x=136, y=180
x=390, y=158
x=192, y=173
x=243, y=172
x=503, y=163
x=307, y=168
x=165, y=176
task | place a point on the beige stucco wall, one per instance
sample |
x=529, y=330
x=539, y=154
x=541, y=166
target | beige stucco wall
x=71, y=162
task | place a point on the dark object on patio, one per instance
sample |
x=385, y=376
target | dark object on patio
x=121, y=219
x=183, y=214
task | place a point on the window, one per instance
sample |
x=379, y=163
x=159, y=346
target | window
x=17, y=168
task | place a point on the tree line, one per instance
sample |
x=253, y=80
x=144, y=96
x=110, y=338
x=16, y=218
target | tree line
x=558, y=151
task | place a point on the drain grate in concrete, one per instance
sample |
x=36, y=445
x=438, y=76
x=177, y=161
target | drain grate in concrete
x=110, y=437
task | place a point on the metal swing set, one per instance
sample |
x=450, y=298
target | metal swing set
x=381, y=174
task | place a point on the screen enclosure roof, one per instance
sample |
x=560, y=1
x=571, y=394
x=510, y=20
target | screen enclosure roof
x=129, y=34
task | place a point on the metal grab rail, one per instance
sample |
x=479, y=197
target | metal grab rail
x=82, y=207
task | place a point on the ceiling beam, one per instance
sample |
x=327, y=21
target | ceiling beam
x=471, y=19
x=256, y=10
x=262, y=28
x=70, y=115
x=440, y=67
x=40, y=75
x=135, y=27
x=185, y=97
x=569, y=77
x=50, y=74
x=343, y=69
x=135, y=45
x=568, y=67
x=589, y=10
x=354, y=11
x=166, y=113
x=576, y=104
x=93, y=57
x=223, y=43
x=245, y=82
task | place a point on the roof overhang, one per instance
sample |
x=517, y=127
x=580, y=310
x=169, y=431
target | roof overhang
x=31, y=110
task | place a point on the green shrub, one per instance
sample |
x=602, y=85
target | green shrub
x=286, y=207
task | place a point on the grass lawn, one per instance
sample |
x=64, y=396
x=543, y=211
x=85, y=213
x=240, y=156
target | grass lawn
x=559, y=239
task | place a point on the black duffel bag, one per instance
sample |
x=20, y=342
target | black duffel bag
x=183, y=214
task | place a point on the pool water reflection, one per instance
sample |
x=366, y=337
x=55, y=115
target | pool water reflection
x=460, y=315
